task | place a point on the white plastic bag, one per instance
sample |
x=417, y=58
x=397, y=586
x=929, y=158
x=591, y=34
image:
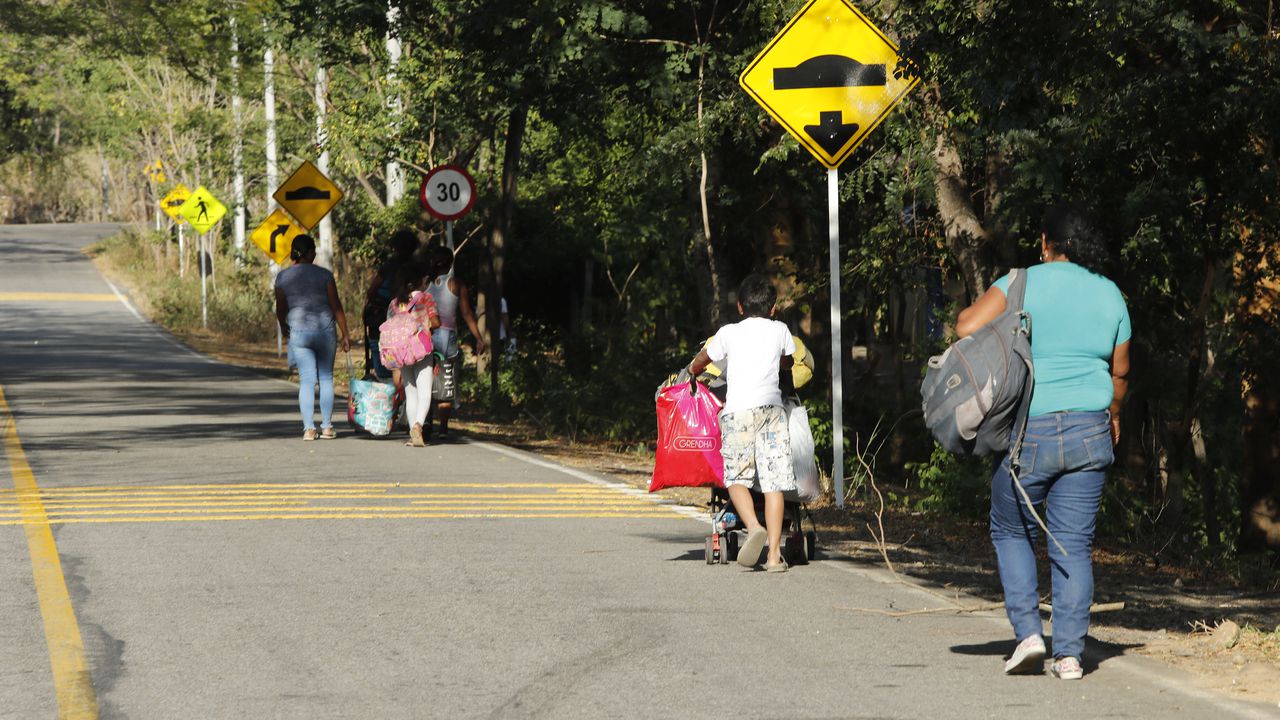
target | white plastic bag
x=803, y=461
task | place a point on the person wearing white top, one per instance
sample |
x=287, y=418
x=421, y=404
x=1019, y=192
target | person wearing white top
x=753, y=424
x=452, y=299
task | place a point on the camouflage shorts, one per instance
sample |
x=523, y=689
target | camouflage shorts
x=757, y=448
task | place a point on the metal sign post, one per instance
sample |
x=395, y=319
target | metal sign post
x=182, y=253
x=448, y=234
x=837, y=356
x=204, y=289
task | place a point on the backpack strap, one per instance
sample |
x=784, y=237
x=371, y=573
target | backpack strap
x=1017, y=290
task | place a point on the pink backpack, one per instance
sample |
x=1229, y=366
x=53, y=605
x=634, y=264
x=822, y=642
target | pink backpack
x=403, y=341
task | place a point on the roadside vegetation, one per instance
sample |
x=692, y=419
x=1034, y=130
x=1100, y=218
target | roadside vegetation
x=626, y=185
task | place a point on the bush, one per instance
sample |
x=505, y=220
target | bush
x=955, y=484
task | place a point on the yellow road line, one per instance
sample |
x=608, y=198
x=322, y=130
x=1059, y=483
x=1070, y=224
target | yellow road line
x=219, y=490
x=291, y=486
x=57, y=516
x=257, y=497
x=57, y=297
x=53, y=507
x=368, y=516
x=267, y=499
x=71, y=682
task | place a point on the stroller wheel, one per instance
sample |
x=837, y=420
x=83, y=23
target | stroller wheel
x=710, y=552
x=730, y=552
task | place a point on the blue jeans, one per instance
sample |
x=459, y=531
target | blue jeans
x=1063, y=465
x=312, y=352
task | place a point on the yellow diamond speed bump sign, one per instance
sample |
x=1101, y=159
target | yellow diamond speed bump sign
x=830, y=77
x=275, y=235
x=202, y=210
x=173, y=202
x=308, y=195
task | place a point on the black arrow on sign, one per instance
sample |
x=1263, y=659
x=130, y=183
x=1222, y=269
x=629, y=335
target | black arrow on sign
x=831, y=133
x=278, y=232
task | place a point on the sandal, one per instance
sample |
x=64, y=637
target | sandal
x=327, y=433
x=749, y=553
x=309, y=434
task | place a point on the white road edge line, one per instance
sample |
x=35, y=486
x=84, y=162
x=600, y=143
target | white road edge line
x=160, y=332
x=124, y=300
x=685, y=510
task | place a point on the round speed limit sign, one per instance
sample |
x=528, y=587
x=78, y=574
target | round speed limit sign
x=447, y=192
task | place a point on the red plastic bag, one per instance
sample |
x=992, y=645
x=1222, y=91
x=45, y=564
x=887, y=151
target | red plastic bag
x=688, y=439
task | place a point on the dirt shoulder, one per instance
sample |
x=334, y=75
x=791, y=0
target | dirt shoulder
x=1226, y=636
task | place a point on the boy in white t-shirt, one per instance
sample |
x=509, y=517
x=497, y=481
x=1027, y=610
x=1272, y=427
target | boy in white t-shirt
x=753, y=424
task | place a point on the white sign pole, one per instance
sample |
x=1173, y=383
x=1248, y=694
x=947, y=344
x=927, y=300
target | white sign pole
x=204, y=291
x=182, y=253
x=448, y=233
x=837, y=356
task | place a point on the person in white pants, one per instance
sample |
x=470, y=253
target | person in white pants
x=416, y=379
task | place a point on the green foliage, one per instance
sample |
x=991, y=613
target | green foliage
x=955, y=484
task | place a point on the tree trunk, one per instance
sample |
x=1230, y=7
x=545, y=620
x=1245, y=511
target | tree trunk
x=964, y=230
x=503, y=228
x=998, y=173
x=1260, y=491
x=1260, y=499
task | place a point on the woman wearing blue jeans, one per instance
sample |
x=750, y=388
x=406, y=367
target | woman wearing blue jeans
x=307, y=308
x=1080, y=346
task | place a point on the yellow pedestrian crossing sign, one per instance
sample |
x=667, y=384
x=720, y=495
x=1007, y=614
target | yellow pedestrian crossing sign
x=275, y=235
x=308, y=195
x=830, y=77
x=173, y=202
x=202, y=210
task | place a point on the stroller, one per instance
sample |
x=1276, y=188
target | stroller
x=728, y=531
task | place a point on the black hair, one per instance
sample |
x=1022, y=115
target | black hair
x=406, y=278
x=757, y=295
x=303, y=245
x=439, y=260
x=403, y=243
x=1070, y=231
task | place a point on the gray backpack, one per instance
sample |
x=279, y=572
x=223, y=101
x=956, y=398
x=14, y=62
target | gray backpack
x=976, y=391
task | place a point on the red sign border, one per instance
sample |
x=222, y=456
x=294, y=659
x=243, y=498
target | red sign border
x=426, y=180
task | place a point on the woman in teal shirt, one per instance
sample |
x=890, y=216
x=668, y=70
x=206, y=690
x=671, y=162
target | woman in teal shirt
x=1080, y=346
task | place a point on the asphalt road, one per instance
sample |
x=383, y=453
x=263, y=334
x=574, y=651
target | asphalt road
x=212, y=565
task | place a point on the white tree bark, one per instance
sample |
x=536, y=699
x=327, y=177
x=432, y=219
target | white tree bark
x=269, y=114
x=324, y=254
x=395, y=174
x=237, y=148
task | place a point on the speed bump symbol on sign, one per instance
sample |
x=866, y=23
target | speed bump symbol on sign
x=308, y=195
x=275, y=236
x=202, y=210
x=830, y=77
x=173, y=202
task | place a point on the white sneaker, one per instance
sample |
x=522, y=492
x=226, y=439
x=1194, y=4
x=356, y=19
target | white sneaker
x=1067, y=668
x=1027, y=657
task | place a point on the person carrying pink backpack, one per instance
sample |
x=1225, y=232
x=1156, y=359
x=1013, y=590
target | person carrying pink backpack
x=406, y=346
